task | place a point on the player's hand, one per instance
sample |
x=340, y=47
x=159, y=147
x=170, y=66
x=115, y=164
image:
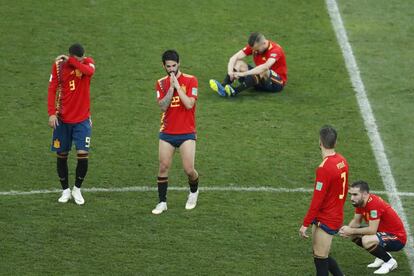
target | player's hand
x=174, y=81
x=345, y=231
x=231, y=75
x=62, y=57
x=302, y=232
x=53, y=121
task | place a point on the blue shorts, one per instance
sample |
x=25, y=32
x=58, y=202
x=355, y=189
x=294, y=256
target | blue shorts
x=176, y=140
x=389, y=241
x=64, y=134
x=325, y=227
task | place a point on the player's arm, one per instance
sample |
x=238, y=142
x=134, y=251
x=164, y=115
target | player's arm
x=319, y=193
x=232, y=62
x=164, y=101
x=370, y=230
x=356, y=221
x=258, y=69
x=86, y=69
x=187, y=101
x=51, y=97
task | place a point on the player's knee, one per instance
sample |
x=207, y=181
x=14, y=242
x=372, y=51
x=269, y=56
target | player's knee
x=62, y=155
x=241, y=66
x=368, y=241
x=164, y=167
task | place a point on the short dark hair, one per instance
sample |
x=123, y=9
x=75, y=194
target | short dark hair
x=170, y=55
x=362, y=185
x=254, y=37
x=76, y=50
x=328, y=136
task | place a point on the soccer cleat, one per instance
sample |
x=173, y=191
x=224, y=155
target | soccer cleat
x=161, y=207
x=77, y=196
x=217, y=87
x=377, y=263
x=387, y=267
x=191, y=201
x=229, y=90
x=65, y=196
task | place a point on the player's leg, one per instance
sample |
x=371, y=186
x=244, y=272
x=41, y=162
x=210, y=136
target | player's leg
x=375, y=244
x=187, y=152
x=82, y=138
x=270, y=81
x=165, y=156
x=244, y=82
x=321, y=243
x=61, y=144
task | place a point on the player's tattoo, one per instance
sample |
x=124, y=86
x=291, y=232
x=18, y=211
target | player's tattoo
x=166, y=101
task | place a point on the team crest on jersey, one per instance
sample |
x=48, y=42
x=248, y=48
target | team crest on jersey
x=194, y=91
x=319, y=186
x=373, y=214
x=56, y=143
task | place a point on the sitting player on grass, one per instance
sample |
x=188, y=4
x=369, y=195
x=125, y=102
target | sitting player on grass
x=270, y=73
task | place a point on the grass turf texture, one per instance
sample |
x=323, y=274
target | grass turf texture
x=255, y=139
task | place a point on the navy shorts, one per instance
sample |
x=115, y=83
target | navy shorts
x=79, y=133
x=272, y=84
x=325, y=227
x=176, y=140
x=389, y=241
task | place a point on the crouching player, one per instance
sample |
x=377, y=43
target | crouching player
x=385, y=231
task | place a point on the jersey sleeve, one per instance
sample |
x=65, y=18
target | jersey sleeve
x=319, y=193
x=87, y=67
x=159, y=90
x=247, y=50
x=192, y=91
x=273, y=53
x=51, y=92
x=375, y=209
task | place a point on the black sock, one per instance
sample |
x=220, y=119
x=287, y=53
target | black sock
x=357, y=241
x=193, y=185
x=226, y=80
x=81, y=169
x=247, y=82
x=322, y=266
x=162, y=183
x=62, y=170
x=379, y=252
x=334, y=267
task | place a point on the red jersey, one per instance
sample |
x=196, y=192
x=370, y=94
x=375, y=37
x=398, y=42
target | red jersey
x=177, y=119
x=390, y=222
x=273, y=51
x=330, y=192
x=73, y=105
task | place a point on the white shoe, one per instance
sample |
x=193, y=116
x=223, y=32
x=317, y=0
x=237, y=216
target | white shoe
x=387, y=267
x=161, y=207
x=65, y=196
x=191, y=201
x=377, y=263
x=77, y=196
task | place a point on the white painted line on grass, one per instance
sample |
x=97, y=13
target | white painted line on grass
x=370, y=123
x=264, y=189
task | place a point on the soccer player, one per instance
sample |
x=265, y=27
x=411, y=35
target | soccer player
x=69, y=116
x=177, y=96
x=385, y=231
x=270, y=73
x=326, y=211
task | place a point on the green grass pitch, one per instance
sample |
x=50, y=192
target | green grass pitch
x=257, y=139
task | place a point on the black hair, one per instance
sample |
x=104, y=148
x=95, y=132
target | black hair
x=328, y=136
x=362, y=185
x=76, y=50
x=254, y=37
x=170, y=55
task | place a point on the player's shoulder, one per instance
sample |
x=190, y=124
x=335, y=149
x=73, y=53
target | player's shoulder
x=89, y=60
x=161, y=79
x=189, y=77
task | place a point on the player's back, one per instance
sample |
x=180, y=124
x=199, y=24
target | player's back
x=335, y=171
